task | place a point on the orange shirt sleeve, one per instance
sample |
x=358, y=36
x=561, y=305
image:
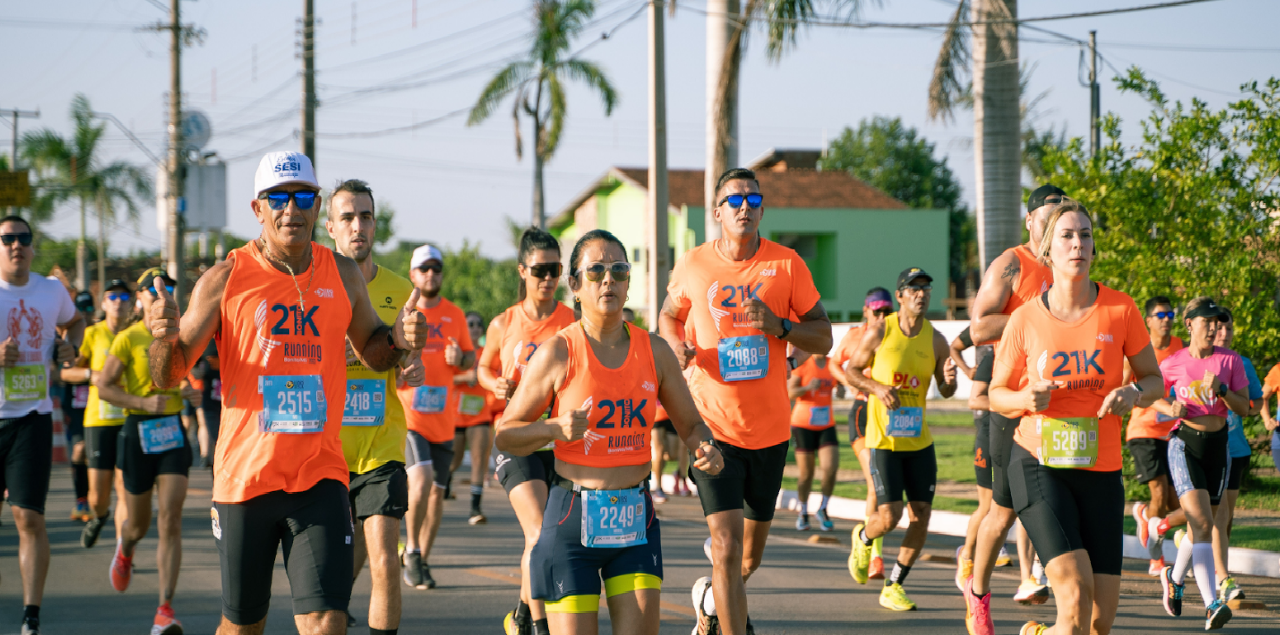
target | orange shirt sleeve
x=1273, y=378
x=1135, y=336
x=1011, y=352
x=804, y=295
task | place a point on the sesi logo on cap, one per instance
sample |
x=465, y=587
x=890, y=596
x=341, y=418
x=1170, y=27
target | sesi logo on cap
x=288, y=167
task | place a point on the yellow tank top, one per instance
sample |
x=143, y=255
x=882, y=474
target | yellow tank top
x=907, y=363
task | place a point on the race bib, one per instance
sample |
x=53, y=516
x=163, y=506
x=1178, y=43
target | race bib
x=25, y=382
x=613, y=518
x=820, y=416
x=292, y=404
x=80, y=396
x=905, y=422
x=108, y=412
x=470, y=405
x=430, y=399
x=743, y=358
x=366, y=403
x=215, y=390
x=161, y=435
x=1067, y=443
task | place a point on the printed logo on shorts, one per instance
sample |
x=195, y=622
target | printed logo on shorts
x=502, y=461
x=217, y=529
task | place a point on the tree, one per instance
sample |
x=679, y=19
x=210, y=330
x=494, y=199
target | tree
x=471, y=281
x=996, y=112
x=895, y=158
x=538, y=85
x=69, y=168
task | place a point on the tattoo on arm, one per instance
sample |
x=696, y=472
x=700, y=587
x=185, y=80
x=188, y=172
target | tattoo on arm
x=1011, y=270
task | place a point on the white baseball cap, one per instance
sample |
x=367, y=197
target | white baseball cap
x=279, y=168
x=424, y=253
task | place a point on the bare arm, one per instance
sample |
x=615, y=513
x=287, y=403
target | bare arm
x=181, y=340
x=1268, y=419
x=978, y=399
x=794, y=387
x=521, y=432
x=484, y=370
x=997, y=285
x=367, y=332
x=861, y=359
x=956, y=351
x=811, y=334
x=944, y=369
x=674, y=394
x=1147, y=379
x=671, y=327
x=111, y=390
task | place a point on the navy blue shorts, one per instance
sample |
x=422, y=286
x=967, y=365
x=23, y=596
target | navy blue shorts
x=560, y=566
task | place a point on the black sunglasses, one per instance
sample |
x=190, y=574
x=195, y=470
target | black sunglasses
x=619, y=271
x=277, y=201
x=436, y=267
x=546, y=270
x=23, y=239
x=735, y=200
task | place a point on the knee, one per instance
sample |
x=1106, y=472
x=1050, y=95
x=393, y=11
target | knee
x=890, y=515
x=531, y=537
x=727, y=549
x=28, y=521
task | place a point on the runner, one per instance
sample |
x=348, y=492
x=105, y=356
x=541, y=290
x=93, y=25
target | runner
x=1207, y=381
x=448, y=350
x=210, y=413
x=152, y=454
x=1240, y=452
x=740, y=292
x=38, y=309
x=280, y=475
x=606, y=377
x=474, y=424
x=813, y=429
x=514, y=336
x=1016, y=277
x=1148, y=440
x=1060, y=364
x=373, y=421
x=909, y=351
x=102, y=420
x=74, y=398
x=877, y=305
x=1269, y=419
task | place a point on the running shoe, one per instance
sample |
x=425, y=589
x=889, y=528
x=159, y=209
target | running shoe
x=31, y=626
x=1037, y=571
x=1171, y=593
x=89, y=535
x=1033, y=628
x=413, y=570
x=706, y=550
x=658, y=496
x=1228, y=590
x=514, y=624
x=351, y=621
x=802, y=522
x=977, y=611
x=1003, y=560
x=81, y=511
x=1139, y=513
x=1031, y=592
x=121, y=569
x=859, y=557
x=894, y=598
x=1217, y=615
x=706, y=624
x=964, y=569
x=477, y=518
x=1155, y=567
x=1178, y=537
x=166, y=623
x=824, y=521
x=428, y=582
x=876, y=570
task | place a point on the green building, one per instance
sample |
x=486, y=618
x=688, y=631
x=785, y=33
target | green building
x=852, y=235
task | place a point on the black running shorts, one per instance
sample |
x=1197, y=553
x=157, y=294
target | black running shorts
x=1150, y=459
x=26, y=450
x=857, y=420
x=440, y=455
x=1068, y=509
x=513, y=470
x=665, y=425
x=1199, y=460
x=982, y=447
x=1002, y=429
x=750, y=481
x=382, y=491
x=913, y=473
x=313, y=526
x=141, y=469
x=100, y=446
x=1238, y=465
x=810, y=441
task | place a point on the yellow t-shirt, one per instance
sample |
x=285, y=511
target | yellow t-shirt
x=98, y=413
x=132, y=347
x=368, y=447
x=907, y=363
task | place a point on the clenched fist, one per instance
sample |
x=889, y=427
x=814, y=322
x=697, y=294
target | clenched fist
x=162, y=317
x=571, y=425
x=410, y=328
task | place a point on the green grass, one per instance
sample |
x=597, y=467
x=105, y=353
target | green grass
x=858, y=491
x=954, y=451
x=961, y=419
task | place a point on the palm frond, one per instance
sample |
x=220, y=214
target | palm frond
x=946, y=88
x=593, y=76
x=554, y=118
x=502, y=84
x=783, y=19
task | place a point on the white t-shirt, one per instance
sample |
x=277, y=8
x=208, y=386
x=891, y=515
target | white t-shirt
x=31, y=314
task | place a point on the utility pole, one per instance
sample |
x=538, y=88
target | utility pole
x=14, y=115
x=176, y=260
x=309, y=80
x=1095, y=96
x=657, y=208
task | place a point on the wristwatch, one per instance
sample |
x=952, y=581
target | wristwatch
x=1222, y=390
x=786, y=329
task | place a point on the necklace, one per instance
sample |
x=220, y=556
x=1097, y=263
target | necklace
x=302, y=305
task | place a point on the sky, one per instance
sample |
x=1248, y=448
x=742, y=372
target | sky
x=389, y=63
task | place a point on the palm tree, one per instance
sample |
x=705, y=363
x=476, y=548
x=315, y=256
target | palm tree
x=68, y=168
x=997, y=110
x=538, y=85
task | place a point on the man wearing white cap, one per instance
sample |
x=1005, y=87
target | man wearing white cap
x=282, y=309
x=447, y=352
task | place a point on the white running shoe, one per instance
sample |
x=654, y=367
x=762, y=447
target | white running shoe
x=706, y=549
x=1003, y=560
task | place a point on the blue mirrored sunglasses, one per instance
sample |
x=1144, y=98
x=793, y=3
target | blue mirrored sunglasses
x=1164, y=315
x=735, y=200
x=167, y=287
x=117, y=297
x=279, y=200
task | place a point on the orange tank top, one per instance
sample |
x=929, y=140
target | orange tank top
x=623, y=401
x=1033, y=279
x=283, y=377
x=520, y=340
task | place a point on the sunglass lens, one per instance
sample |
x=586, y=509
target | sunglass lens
x=304, y=199
x=278, y=200
x=754, y=200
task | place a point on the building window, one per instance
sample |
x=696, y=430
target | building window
x=819, y=252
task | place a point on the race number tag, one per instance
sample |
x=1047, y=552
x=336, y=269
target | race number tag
x=905, y=422
x=430, y=399
x=80, y=396
x=25, y=382
x=470, y=405
x=161, y=435
x=366, y=403
x=215, y=390
x=1069, y=442
x=292, y=404
x=108, y=412
x=745, y=357
x=613, y=518
x=820, y=416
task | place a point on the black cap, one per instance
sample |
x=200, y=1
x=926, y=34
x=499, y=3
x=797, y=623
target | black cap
x=149, y=276
x=911, y=273
x=118, y=283
x=1209, y=310
x=84, y=302
x=1036, y=200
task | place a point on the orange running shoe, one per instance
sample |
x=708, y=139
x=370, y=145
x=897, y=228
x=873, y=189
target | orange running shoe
x=121, y=569
x=166, y=623
x=876, y=570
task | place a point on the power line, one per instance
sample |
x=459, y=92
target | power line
x=422, y=45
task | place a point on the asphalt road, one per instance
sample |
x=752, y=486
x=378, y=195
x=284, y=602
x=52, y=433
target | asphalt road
x=803, y=588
